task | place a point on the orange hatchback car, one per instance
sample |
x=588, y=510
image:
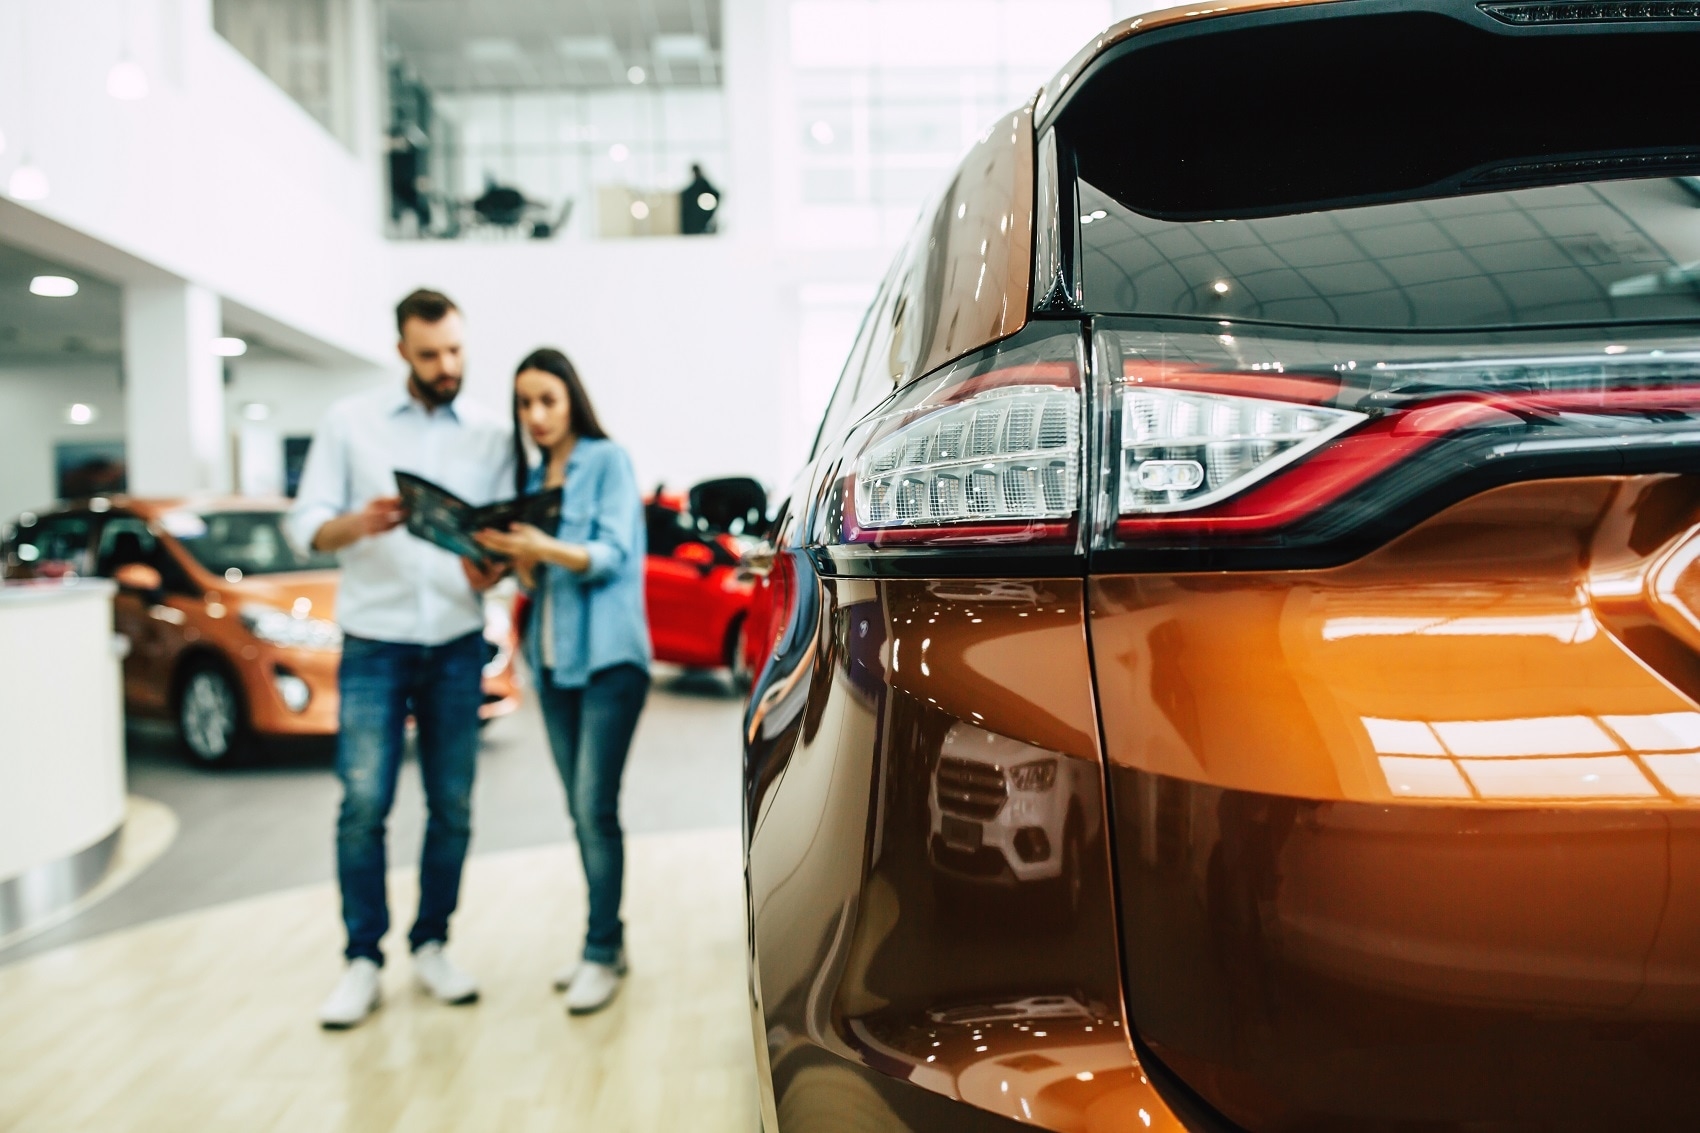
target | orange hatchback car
x=1236, y=651
x=231, y=631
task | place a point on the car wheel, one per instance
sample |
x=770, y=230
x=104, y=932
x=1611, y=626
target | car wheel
x=736, y=660
x=209, y=717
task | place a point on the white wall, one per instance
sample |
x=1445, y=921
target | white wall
x=680, y=341
x=33, y=400
x=216, y=177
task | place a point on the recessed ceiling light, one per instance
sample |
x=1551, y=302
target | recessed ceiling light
x=80, y=413
x=1220, y=287
x=636, y=75
x=53, y=286
x=680, y=47
x=586, y=47
x=229, y=347
x=491, y=49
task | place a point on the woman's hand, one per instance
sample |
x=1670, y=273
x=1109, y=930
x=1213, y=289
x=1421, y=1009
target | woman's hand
x=527, y=546
x=520, y=541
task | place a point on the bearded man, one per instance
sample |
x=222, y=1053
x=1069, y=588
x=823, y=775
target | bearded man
x=412, y=621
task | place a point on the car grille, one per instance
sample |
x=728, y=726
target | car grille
x=970, y=789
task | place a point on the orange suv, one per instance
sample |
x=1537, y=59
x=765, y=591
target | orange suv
x=231, y=631
x=1236, y=642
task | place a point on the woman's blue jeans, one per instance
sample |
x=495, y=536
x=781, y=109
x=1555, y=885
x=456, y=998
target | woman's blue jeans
x=590, y=731
x=382, y=683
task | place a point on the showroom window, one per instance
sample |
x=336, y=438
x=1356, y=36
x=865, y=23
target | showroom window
x=303, y=46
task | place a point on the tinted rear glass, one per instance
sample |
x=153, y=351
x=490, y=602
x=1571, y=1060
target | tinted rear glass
x=1608, y=251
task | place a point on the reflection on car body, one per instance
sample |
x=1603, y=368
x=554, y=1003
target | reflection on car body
x=1304, y=492
x=1008, y=812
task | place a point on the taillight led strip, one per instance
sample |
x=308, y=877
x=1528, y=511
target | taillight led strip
x=1375, y=447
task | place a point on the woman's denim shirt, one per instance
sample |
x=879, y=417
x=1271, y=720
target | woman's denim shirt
x=597, y=618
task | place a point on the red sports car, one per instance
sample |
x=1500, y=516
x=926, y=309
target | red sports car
x=698, y=598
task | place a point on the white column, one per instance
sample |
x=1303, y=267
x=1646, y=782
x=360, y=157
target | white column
x=175, y=436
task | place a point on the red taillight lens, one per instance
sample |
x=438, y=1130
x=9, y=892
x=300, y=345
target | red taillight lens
x=989, y=451
x=1225, y=440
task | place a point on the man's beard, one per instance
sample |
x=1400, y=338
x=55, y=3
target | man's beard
x=430, y=394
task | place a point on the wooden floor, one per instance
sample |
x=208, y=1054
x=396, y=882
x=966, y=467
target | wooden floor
x=206, y=1021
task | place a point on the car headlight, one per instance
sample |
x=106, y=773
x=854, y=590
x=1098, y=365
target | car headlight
x=280, y=627
x=1039, y=775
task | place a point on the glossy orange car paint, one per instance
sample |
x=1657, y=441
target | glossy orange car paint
x=193, y=619
x=1476, y=834
x=1243, y=815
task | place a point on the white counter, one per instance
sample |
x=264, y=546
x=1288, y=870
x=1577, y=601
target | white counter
x=61, y=742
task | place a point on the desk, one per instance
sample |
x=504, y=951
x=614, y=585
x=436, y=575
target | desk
x=61, y=745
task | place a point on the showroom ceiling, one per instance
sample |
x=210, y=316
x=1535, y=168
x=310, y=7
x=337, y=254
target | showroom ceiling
x=35, y=328
x=509, y=45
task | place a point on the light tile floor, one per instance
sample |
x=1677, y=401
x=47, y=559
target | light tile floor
x=204, y=1021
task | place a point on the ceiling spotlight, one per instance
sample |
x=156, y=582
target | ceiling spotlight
x=28, y=183
x=127, y=82
x=79, y=414
x=618, y=152
x=636, y=75
x=640, y=210
x=53, y=286
x=1220, y=287
x=229, y=347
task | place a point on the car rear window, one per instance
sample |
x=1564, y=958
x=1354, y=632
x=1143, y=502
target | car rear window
x=1599, y=252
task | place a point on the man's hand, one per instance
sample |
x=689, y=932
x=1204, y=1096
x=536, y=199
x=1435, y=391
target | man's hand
x=483, y=578
x=385, y=513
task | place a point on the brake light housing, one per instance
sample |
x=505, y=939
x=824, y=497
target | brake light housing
x=988, y=451
x=1272, y=449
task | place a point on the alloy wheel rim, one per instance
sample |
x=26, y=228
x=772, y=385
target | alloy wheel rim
x=209, y=712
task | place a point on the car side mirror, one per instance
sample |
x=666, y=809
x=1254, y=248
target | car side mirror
x=139, y=578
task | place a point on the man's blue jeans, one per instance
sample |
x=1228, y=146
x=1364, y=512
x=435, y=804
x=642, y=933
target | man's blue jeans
x=382, y=683
x=590, y=731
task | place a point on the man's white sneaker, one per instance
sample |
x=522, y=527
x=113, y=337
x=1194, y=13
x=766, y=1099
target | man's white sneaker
x=354, y=997
x=438, y=975
x=594, y=985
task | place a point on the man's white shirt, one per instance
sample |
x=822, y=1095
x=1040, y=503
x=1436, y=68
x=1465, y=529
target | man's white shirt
x=396, y=586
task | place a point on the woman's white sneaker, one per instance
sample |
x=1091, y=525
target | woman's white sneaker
x=354, y=997
x=439, y=975
x=594, y=985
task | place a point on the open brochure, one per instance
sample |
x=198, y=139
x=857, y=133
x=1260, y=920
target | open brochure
x=438, y=516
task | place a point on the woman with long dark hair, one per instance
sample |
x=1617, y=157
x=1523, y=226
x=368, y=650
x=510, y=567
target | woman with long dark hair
x=586, y=638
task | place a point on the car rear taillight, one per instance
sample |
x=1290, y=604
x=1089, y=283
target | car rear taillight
x=989, y=450
x=1236, y=441
x=1184, y=449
